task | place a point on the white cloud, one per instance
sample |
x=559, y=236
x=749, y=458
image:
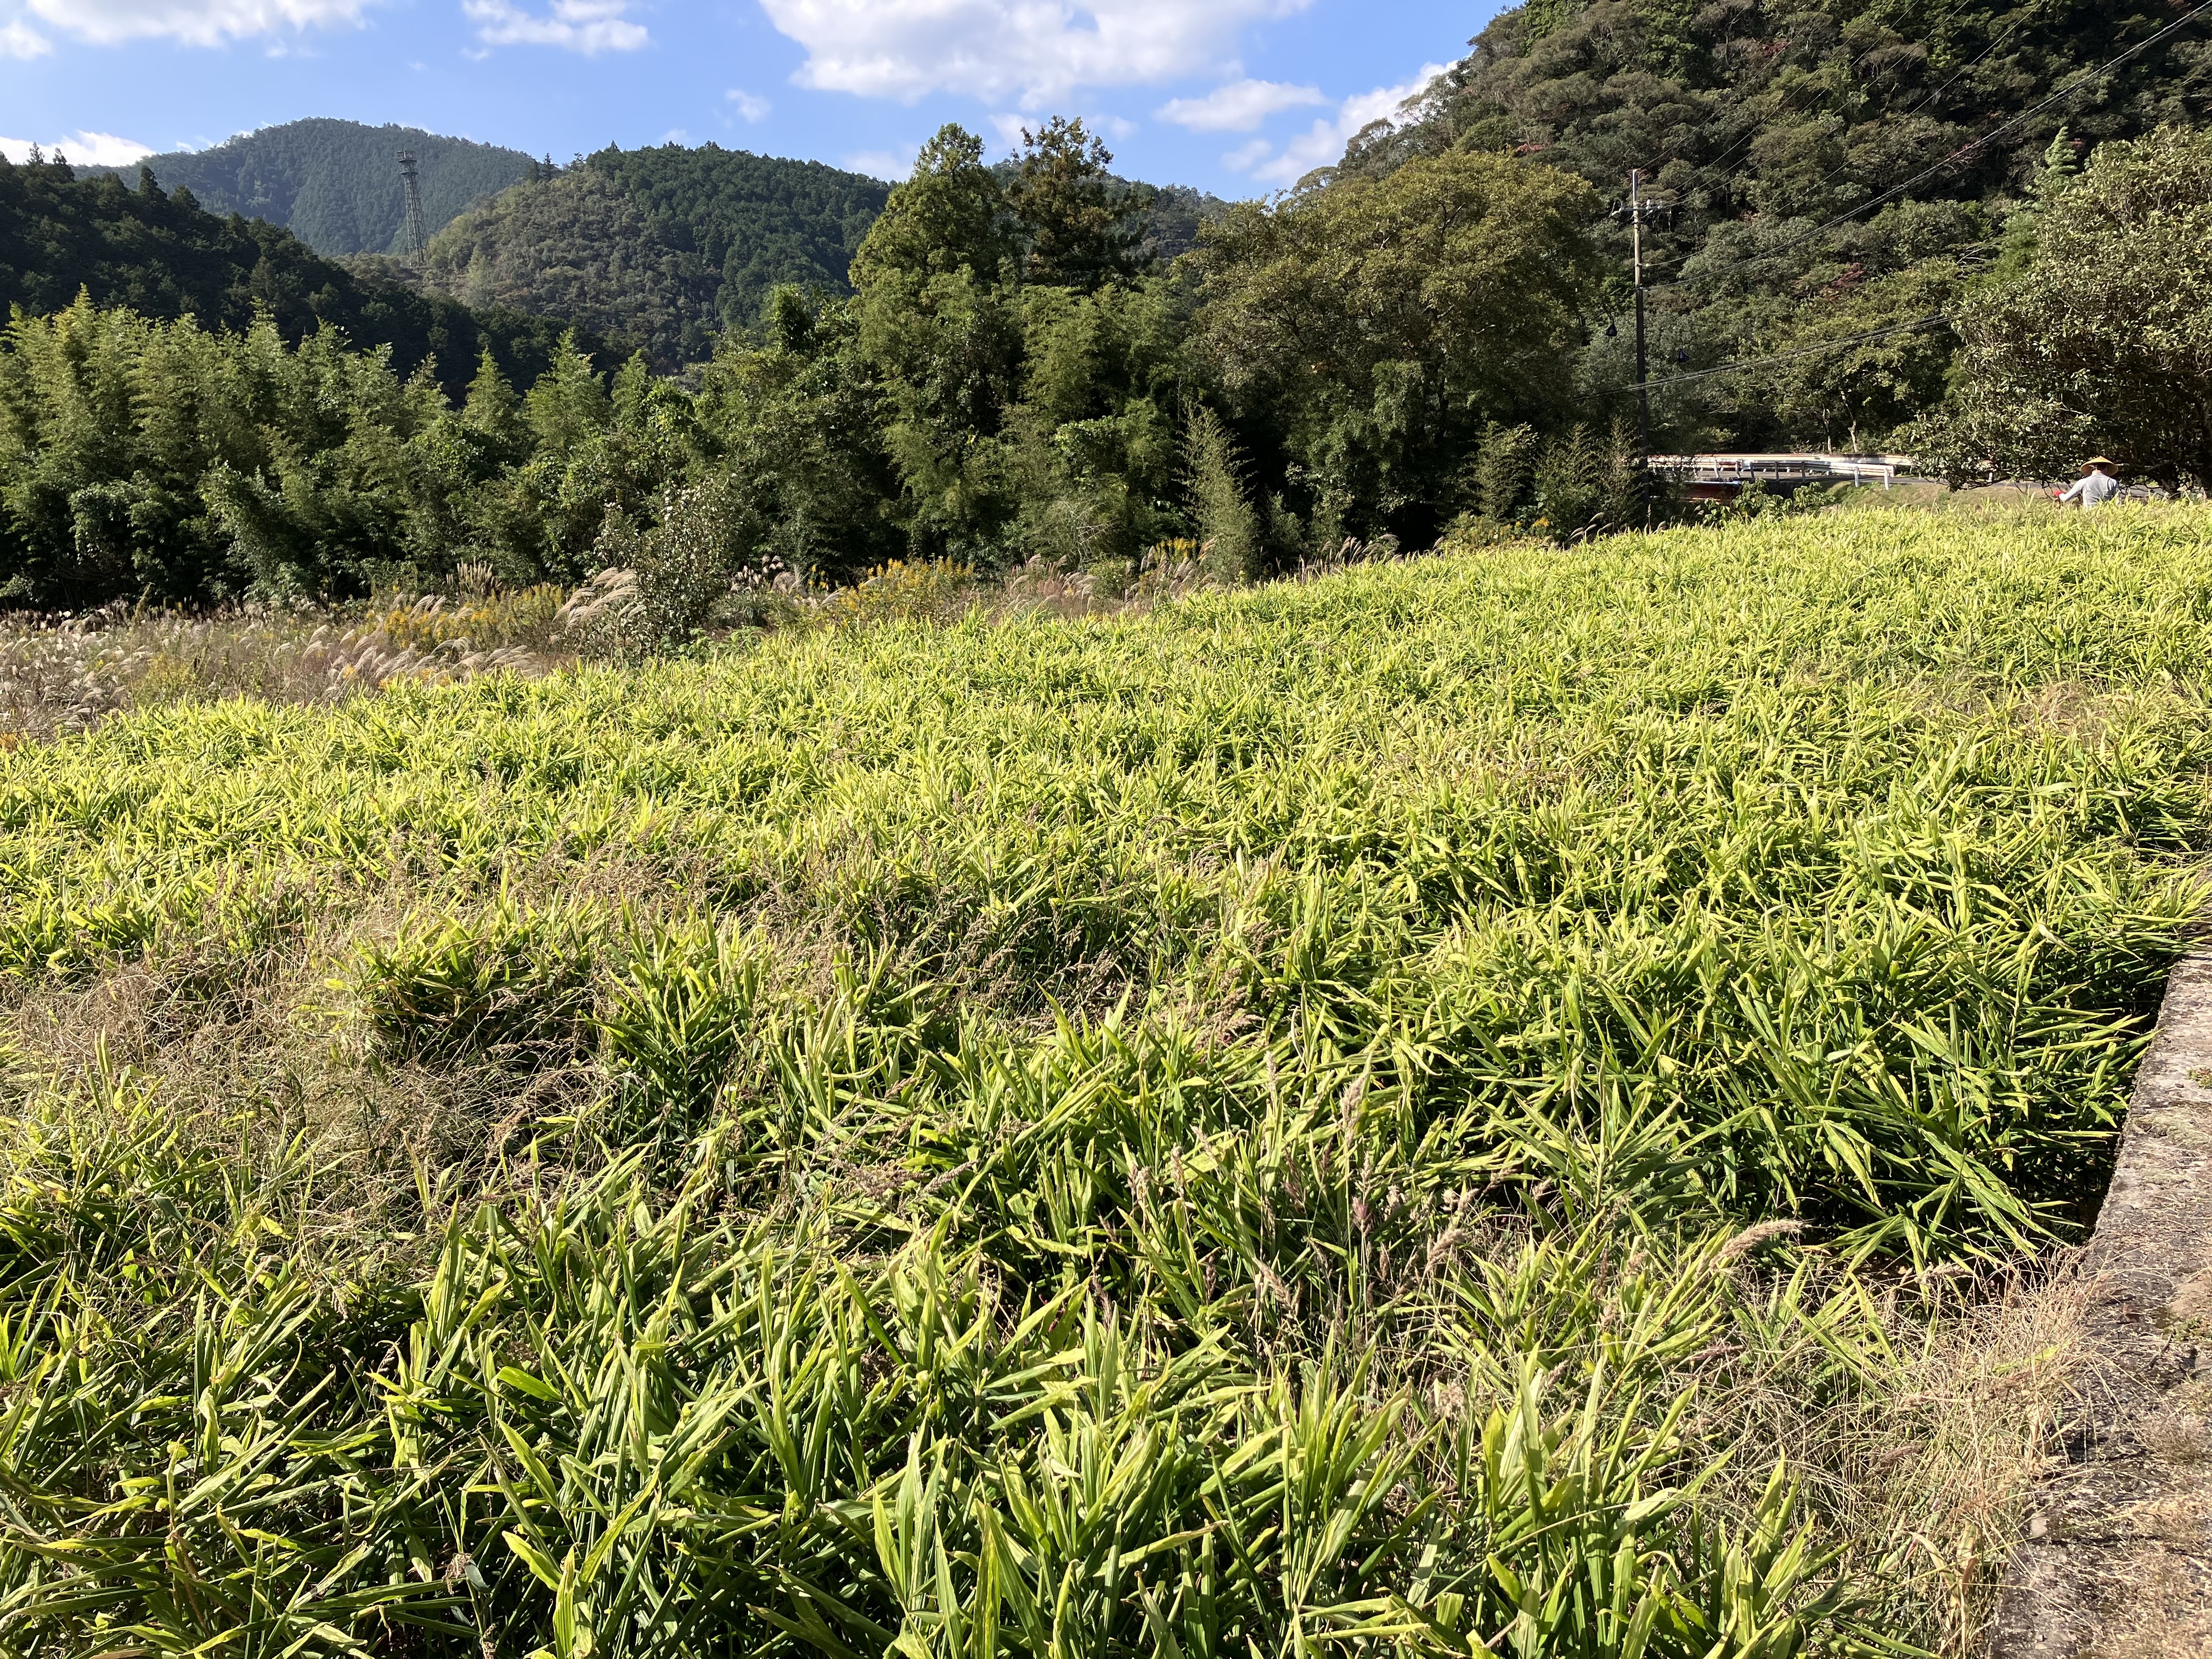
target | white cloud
x=1034, y=49
x=590, y=26
x=195, y=22
x=893, y=165
x=1323, y=144
x=19, y=40
x=749, y=105
x=1240, y=106
x=83, y=149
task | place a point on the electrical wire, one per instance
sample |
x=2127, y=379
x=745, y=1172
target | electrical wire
x=1964, y=150
x=1819, y=88
x=1792, y=356
x=2018, y=21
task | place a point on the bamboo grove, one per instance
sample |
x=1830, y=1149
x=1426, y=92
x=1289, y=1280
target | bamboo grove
x=1014, y=378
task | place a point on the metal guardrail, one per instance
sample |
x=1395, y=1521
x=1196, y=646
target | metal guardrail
x=1884, y=469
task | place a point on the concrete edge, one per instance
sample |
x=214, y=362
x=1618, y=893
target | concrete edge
x=2117, y=1560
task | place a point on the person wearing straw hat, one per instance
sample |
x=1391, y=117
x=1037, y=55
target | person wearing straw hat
x=2095, y=486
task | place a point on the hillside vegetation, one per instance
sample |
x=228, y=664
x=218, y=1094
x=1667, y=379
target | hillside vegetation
x=1013, y=380
x=663, y=248
x=1003, y=371
x=336, y=184
x=1253, y=1123
x=161, y=254
x=1807, y=153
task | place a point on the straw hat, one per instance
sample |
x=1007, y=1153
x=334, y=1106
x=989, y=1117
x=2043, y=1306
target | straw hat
x=2098, y=460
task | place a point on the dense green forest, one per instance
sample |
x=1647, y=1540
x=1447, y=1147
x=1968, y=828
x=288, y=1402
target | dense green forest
x=755, y=220
x=1006, y=369
x=1812, y=155
x=139, y=456
x=662, y=248
x=576, y=247
x=161, y=254
x=336, y=184
x=1014, y=376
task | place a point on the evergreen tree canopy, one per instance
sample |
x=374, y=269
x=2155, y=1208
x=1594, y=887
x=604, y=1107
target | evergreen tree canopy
x=1819, y=160
x=659, y=249
x=160, y=254
x=951, y=214
x=755, y=220
x=336, y=184
x=2102, y=340
x=576, y=247
x=1077, y=228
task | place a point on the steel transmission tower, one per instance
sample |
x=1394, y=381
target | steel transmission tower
x=414, y=236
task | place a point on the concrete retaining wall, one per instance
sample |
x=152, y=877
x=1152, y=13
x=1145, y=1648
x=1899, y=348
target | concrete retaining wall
x=2117, y=1563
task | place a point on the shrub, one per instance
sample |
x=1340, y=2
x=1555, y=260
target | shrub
x=1213, y=479
x=509, y=984
x=703, y=563
x=938, y=592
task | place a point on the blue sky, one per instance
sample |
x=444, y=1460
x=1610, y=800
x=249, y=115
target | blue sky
x=1238, y=96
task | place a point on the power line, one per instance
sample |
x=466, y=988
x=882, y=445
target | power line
x=1967, y=149
x=2018, y=21
x=1792, y=356
x=1818, y=87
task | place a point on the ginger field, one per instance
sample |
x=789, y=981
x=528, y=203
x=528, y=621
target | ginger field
x=1515, y=1102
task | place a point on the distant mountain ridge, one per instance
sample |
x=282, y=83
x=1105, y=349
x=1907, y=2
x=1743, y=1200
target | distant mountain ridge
x=336, y=184
x=657, y=249
x=665, y=246
x=159, y=253
x=662, y=247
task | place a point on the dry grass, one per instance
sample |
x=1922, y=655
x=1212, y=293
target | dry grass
x=2165, y=1616
x=1311, y=994
x=60, y=674
x=1939, y=1457
x=67, y=674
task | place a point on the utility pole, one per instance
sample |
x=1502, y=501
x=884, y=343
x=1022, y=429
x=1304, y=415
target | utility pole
x=1636, y=246
x=415, y=237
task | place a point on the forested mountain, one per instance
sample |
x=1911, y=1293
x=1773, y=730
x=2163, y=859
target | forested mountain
x=657, y=249
x=661, y=248
x=161, y=253
x=576, y=247
x=1821, y=164
x=1173, y=215
x=758, y=221
x=336, y=184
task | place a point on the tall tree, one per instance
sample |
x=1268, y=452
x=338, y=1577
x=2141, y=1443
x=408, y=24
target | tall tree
x=1080, y=228
x=950, y=215
x=1379, y=324
x=2104, y=342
